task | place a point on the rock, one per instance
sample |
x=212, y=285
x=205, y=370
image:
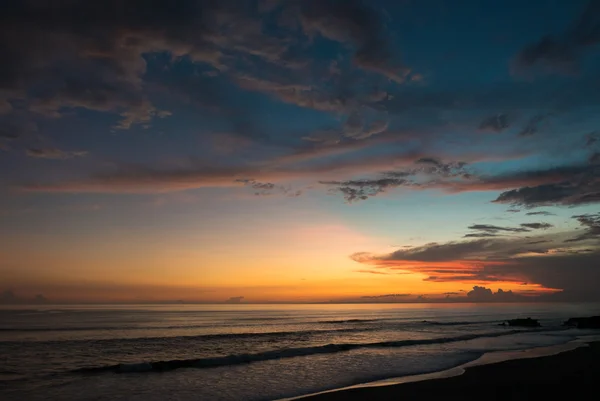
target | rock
x=529, y=322
x=592, y=322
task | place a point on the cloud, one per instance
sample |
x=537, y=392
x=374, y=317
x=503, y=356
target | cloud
x=356, y=23
x=385, y=296
x=562, y=53
x=301, y=95
x=497, y=123
x=540, y=213
x=568, y=186
x=234, y=300
x=539, y=261
x=362, y=189
x=94, y=54
x=542, y=241
x=54, y=153
x=483, y=294
x=591, y=223
x=488, y=228
x=9, y=297
x=533, y=124
x=475, y=250
x=592, y=138
x=480, y=235
x=537, y=226
x=355, y=190
x=267, y=188
x=378, y=272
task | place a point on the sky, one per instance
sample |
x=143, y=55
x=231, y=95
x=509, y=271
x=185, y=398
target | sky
x=299, y=151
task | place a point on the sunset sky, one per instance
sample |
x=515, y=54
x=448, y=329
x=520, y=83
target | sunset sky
x=299, y=151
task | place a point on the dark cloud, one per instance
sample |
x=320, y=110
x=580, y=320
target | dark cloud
x=268, y=188
x=537, y=226
x=480, y=235
x=591, y=223
x=434, y=169
x=592, y=138
x=517, y=260
x=54, y=153
x=14, y=128
x=497, y=123
x=488, y=228
x=95, y=54
x=533, y=125
x=541, y=241
x=354, y=22
x=385, y=296
x=562, y=52
x=483, y=294
x=355, y=190
x=540, y=213
x=434, y=252
x=9, y=297
x=572, y=186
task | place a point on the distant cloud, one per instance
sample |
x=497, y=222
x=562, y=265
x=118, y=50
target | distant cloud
x=540, y=213
x=497, y=123
x=537, y=226
x=561, y=53
x=533, y=125
x=592, y=138
x=54, y=153
x=355, y=190
x=385, y=296
x=483, y=294
x=488, y=228
x=591, y=223
x=480, y=235
x=378, y=272
x=569, y=186
x=9, y=297
x=234, y=300
x=542, y=241
x=534, y=260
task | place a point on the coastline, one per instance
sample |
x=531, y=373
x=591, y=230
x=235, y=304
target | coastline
x=575, y=363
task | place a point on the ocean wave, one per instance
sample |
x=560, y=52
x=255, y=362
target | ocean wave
x=220, y=336
x=434, y=323
x=348, y=321
x=203, y=363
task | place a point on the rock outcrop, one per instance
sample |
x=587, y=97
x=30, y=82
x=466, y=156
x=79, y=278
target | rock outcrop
x=592, y=322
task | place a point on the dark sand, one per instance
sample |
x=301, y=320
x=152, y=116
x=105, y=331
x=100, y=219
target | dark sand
x=573, y=374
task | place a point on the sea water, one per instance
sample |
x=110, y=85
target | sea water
x=251, y=352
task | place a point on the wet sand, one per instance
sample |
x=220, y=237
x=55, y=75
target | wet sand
x=570, y=374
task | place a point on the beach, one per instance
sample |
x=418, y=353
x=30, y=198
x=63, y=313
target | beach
x=574, y=373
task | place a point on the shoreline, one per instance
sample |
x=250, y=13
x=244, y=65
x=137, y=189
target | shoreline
x=395, y=387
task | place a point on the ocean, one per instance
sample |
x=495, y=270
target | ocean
x=252, y=352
